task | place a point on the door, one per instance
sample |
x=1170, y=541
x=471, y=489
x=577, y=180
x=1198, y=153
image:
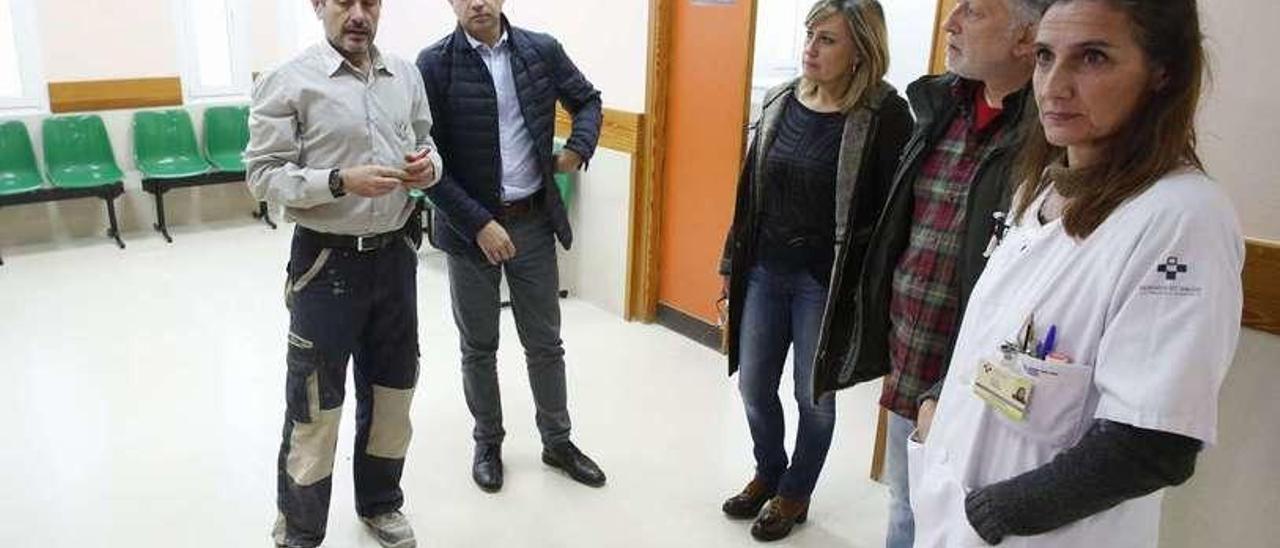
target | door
x=707, y=100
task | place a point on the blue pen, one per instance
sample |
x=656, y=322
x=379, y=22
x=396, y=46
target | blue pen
x=1050, y=339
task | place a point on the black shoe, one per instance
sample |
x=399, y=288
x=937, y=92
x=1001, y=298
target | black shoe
x=567, y=457
x=747, y=504
x=486, y=468
x=778, y=517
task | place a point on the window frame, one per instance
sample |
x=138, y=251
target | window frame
x=28, y=50
x=239, y=36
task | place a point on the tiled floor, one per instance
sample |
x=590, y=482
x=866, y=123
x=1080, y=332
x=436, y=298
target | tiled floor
x=144, y=400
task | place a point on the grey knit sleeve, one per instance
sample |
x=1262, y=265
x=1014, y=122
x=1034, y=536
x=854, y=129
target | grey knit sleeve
x=1113, y=463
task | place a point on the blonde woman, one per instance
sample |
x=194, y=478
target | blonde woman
x=817, y=172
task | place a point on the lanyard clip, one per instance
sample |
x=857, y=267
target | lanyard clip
x=998, y=229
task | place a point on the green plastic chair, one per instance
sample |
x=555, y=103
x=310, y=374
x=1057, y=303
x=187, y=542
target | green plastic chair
x=165, y=150
x=564, y=181
x=77, y=152
x=18, y=170
x=164, y=145
x=226, y=134
x=81, y=164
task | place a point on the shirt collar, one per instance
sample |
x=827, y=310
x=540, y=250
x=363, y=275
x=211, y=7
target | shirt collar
x=480, y=46
x=334, y=61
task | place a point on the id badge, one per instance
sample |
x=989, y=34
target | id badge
x=1003, y=389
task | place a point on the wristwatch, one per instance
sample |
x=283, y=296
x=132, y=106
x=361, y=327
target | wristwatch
x=335, y=184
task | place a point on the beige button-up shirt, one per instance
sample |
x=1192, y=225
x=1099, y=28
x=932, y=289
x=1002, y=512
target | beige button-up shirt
x=317, y=113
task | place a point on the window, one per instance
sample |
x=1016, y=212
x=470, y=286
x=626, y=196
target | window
x=22, y=85
x=214, y=37
x=300, y=28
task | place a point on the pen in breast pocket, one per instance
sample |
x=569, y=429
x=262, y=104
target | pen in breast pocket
x=1050, y=339
x=1028, y=333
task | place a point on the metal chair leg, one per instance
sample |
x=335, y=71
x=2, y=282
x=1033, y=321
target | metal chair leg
x=160, y=224
x=114, y=231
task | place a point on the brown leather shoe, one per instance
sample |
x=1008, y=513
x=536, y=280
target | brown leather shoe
x=747, y=504
x=778, y=517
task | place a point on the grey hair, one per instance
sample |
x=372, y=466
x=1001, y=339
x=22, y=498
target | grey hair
x=1027, y=12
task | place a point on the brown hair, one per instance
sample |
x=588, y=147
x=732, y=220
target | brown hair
x=870, y=38
x=1158, y=138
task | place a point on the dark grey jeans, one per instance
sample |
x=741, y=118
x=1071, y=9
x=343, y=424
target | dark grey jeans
x=534, y=281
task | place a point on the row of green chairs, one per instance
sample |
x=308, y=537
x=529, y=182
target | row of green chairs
x=80, y=162
x=165, y=150
x=78, y=159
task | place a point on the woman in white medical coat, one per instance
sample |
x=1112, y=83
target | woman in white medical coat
x=1086, y=374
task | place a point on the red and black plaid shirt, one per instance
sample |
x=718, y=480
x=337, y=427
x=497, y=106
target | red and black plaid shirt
x=923, y=310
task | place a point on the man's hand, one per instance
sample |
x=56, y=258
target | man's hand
x=371, y=181
x=568, y=161
x=924, y=419
x=420, y=169
x=495, y=243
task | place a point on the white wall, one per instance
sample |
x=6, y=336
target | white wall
x=1234, y=497
x=595, y=269
x=97, y=39
x=910, y=39
x=607, y=39
x=1240, y=121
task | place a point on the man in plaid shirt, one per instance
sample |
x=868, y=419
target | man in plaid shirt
x=989, y=56
x=926, y=252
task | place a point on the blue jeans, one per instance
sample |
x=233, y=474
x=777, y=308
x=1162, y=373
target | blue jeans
x=783, y=309
x=902, y=525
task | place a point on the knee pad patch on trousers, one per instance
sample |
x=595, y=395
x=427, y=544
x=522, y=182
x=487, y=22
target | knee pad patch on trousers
x=312, y=444
x=390, y=431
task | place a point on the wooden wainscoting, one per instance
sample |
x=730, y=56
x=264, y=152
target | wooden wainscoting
x=1262, y=286
x=89, y=95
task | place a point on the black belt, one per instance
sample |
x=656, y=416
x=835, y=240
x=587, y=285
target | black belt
x=342, y=241
x=522, y=206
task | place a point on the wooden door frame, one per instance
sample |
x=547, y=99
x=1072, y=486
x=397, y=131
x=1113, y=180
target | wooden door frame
x=646, y=194
x=644, y=247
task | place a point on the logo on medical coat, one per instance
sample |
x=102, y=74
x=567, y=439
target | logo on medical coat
x=1169, y=271
x=1171, y=268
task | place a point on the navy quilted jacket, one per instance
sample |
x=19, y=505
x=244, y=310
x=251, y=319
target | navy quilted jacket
x=464, y=106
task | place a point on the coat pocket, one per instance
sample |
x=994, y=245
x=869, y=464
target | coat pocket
x=937, y=500
x=310, y=274
x=1055, y=413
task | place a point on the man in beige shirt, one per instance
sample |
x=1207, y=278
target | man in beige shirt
x=339, y=135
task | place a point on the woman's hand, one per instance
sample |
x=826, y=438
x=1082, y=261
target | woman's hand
x=924, y=419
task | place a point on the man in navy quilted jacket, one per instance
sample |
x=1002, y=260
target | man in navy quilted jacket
x=493, y=90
